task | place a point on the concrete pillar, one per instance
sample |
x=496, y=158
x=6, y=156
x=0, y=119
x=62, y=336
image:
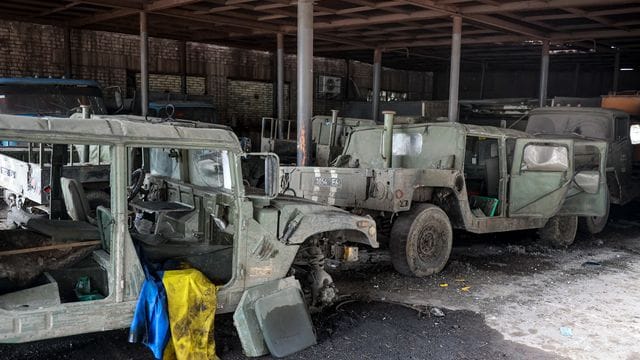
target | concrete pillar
x=454, y=74
x=280, y=83
x=616, y=71
x=144, y=65
x=377, y=73
x=67, y=53
x=183, y=67
x=544, y=73
x=305, y=81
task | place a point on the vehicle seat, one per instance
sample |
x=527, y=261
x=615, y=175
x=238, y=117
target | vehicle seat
x=492, y=176
x=75, y=201
x=104, y=219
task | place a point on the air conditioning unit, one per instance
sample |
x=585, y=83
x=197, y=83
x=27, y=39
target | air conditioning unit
x=330, y=84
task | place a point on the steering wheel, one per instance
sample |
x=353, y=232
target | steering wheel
x=137, y=179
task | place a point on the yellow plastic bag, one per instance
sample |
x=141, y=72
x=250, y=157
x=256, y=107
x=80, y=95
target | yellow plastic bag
x=192, y=301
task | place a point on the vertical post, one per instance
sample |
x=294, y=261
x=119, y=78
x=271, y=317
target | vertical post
x=67, y=52
x=183, y=67
x=280, y=83
x=58, y=160
x=482, y=75
x=454, y=74
x=348, y=82
x=144, y=65
x=576, y=79
x=616, y=72
x=544, y=73
x=305, y=81
x=377, y=72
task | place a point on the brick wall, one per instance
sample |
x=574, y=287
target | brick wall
x=31, y=49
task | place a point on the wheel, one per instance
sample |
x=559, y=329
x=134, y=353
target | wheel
x=560, y=231
x=594, y=224
x=420, y=241
x=97, y=198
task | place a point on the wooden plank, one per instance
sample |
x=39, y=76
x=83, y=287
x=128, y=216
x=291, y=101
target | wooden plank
x=49, y=247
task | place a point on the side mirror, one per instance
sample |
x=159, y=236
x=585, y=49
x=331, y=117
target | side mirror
x=634, y=134
x=260, y=174
x=588, y=181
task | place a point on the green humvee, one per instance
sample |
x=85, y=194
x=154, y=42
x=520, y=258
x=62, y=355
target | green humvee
x=426, y=179
x=192, y=207
x=611, y=126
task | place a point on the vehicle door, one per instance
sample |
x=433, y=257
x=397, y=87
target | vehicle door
x=540, y=176
x=587, y=195
x=621, y=154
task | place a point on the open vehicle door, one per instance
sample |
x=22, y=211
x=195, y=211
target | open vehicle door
x=540, y=176
x=587, y=195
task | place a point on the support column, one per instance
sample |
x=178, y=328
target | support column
x=67, y=53
x=280, y=83
x=305, y=80
x=544, y=73
x=616, y=71
x=482, y=75
x=183, y=67
x=454, y=74
x=144, y=65
x=377, y=73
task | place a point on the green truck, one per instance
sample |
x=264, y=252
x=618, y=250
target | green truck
x=262, y=250
x=421, y=181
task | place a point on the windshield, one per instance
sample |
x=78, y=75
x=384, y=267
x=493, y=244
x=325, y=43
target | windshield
x=584, y=124
x=207, y=168
x=49, y=100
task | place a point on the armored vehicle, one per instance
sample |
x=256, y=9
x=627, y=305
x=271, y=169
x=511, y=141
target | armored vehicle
x=423, y=180
x=328, y=133
x=193, y=208
x=611, y=126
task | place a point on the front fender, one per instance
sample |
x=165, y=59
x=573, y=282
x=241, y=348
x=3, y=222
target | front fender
x=301, y=226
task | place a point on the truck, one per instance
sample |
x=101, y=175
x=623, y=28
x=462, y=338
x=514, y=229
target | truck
x=328, y=134
x=262, y=250
x=25, y=168
x=421, y=181
x=608, y=125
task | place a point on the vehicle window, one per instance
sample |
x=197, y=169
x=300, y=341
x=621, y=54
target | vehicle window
x=588, y=125
x=49, y=100
x=210, y=168
x=545, y=158
x=407, y=144
x=165, y=162
x=622, y=128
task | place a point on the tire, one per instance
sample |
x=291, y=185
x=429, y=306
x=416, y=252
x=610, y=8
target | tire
x=560, y=231
x=594, y=224
x=420, y=241
x=97, y=198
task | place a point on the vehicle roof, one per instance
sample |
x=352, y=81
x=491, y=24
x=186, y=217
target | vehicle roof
x=117, y=129
x=47, y=81
x=577, y=109
x=181, y=104
x=471, y=129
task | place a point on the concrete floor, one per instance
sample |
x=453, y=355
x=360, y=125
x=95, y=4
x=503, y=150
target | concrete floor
x=502, y=296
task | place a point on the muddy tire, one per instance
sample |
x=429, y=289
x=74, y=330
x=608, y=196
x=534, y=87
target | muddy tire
x=97, y=198
x=594, y=224
x=420, y=241
x=560, y=231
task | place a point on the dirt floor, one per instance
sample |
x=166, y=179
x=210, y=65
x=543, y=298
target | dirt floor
x=501, y=296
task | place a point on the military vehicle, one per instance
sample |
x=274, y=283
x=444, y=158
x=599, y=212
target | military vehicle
x=423, y=180
x=194, y=208
x=328, y=134
x=611, y=126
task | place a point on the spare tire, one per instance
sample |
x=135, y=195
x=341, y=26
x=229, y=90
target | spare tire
x=594, y=224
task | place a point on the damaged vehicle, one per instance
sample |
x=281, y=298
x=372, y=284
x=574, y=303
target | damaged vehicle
x=83, y=272
x=421, y=181
x=611, y=126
